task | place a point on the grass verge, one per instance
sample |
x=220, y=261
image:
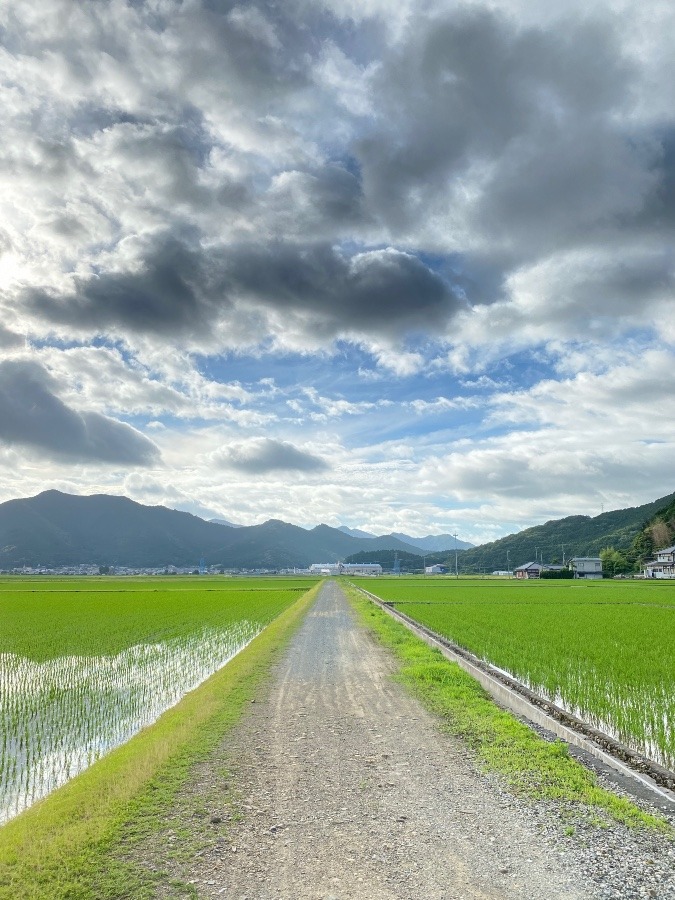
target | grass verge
x=530, y=765
x=68, y=845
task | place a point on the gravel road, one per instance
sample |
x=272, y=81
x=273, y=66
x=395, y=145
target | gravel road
x=349, y=789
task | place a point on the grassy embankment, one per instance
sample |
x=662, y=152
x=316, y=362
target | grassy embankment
x=530, y=765
x=68, y=846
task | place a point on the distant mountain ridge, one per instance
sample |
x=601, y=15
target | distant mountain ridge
x=56, y=529
x=355, y=532
x=432, y=543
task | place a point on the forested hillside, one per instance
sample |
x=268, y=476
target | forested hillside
x=658, y=532
x=632, y=533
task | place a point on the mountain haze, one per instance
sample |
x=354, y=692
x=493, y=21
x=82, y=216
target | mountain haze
x=355, y=532
x=434, y=543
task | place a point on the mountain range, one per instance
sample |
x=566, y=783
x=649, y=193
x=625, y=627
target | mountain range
x=55, y=529
x=432, y=543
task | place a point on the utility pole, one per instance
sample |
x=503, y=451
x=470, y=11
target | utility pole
x=456, y=569
x=424, y=570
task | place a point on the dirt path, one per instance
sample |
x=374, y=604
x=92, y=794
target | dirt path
x=349, y=790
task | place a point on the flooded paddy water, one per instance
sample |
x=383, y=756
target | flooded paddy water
x=59, y=716
x=87, y=663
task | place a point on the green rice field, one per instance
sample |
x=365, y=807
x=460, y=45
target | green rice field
x=604, y=650
x=85, y=663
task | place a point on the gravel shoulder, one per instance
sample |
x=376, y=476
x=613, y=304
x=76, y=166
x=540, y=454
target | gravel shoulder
x=338, y=784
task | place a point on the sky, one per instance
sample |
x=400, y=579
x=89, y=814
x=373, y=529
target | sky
x=397, y=266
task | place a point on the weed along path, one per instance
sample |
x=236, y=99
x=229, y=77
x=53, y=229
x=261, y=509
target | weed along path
x=347, y=788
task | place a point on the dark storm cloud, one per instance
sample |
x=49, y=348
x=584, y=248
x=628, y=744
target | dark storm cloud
x=374, y=293
x=183, y=290
x=525, y=117
x=266, y=455
x=659, y=212
x=165, y=296
x=31, y=415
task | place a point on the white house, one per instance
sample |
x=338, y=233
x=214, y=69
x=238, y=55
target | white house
x=663, y=566
x=435, y=570
x=586, y=566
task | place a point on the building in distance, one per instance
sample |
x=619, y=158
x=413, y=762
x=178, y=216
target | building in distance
x=345, y=569
x=586, y=566
x=663, y=566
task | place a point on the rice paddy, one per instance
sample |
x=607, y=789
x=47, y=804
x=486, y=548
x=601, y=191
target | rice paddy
x=603, y=650
x=87, y=663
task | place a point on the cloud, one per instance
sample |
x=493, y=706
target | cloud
x=470, y=93
x=320, y=202
x=226, y=194
x=31, y=415
x=9, y=339
x=594, y=294
x=441, y=405
x=591, y=437
x=165, y=294
x=118, y=383
x=262, y=455
x=177, y=288
x=376, y=292
x=197, y=197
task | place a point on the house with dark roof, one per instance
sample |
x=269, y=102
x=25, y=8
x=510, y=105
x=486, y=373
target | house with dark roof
x=528, y=570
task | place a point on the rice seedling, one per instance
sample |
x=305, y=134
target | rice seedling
x=81, y=671
x=602, y=650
